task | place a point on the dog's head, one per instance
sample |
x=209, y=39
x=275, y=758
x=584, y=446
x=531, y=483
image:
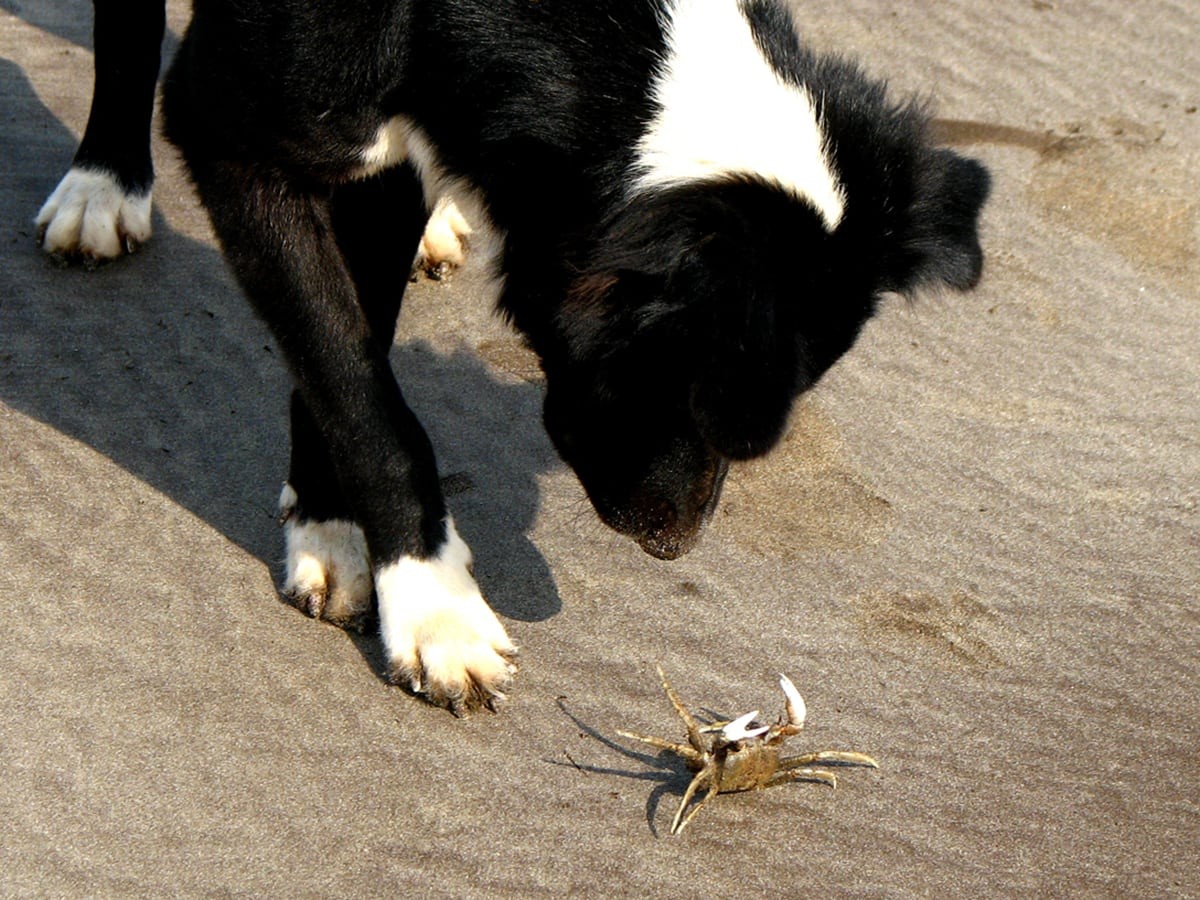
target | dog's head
x=708, y=307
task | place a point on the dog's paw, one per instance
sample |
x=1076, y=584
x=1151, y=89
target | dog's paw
x=441, y=638
x=91, y=217
x=328, y=570
x=443, y=246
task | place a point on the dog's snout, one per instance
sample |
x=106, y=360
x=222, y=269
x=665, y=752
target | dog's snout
x=668, y=529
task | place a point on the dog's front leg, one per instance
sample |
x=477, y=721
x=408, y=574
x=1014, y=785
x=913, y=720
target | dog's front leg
x=440, y=636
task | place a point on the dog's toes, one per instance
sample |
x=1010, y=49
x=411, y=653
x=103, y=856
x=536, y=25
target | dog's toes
x=438, y=271
x=443, y=245
x=458, y=659
x=441, y=638
x=309, y=600
x=461, y=678
x=91, y=218
x=328, y=574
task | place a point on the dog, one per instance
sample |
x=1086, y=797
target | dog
x=695, y=214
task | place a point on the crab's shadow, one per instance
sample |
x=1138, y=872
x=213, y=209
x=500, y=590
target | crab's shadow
x=668, y=770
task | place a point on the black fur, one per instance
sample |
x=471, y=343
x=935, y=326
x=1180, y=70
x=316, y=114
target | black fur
x=675, y=328
x=100, y=209
x=127, y=35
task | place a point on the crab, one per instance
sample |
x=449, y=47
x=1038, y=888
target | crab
x=744, y=755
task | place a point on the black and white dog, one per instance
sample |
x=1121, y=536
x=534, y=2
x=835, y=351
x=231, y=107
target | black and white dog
x=695, y=217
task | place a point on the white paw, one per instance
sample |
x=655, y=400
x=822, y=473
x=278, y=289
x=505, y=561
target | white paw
x=440, y=636
x=328, y=568
x=90, y=215
x=443, y=245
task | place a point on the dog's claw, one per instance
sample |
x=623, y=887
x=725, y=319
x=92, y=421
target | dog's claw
x=460, y=701
x=311, y=603
x=439, y=272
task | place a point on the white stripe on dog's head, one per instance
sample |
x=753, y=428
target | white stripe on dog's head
x=723, y=110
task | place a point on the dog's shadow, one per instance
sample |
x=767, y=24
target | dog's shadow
x=490, y=444
x=157, y=363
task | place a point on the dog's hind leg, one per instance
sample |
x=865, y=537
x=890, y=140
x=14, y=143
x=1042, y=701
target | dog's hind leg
x=101, y=208
x=328, y=571
x=443, y=245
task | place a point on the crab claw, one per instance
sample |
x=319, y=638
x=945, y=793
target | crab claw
x=796, y=710
x=738, y=729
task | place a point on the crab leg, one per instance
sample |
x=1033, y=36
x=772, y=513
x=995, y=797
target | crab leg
x=714, y=787
x=785, y=775
x=693, y=727
x=829, y=758
x=688, y=753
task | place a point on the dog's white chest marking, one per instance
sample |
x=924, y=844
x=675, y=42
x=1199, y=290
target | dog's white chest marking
x=723, y=110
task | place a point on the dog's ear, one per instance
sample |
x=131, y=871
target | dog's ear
x=940, y=243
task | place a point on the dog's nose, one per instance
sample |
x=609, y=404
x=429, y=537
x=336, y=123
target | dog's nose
x=667, y=544
x=666, y=531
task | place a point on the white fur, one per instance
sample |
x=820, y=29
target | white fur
x=445, y=237
x=454, y=201
x=329, y=560
x=723, y=110
x=390, y=147
x=436, y=625
x=90, y=214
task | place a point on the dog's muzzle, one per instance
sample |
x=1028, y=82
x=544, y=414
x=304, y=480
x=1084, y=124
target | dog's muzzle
x=668, y=530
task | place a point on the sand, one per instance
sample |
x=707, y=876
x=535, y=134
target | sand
x=977, y=553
